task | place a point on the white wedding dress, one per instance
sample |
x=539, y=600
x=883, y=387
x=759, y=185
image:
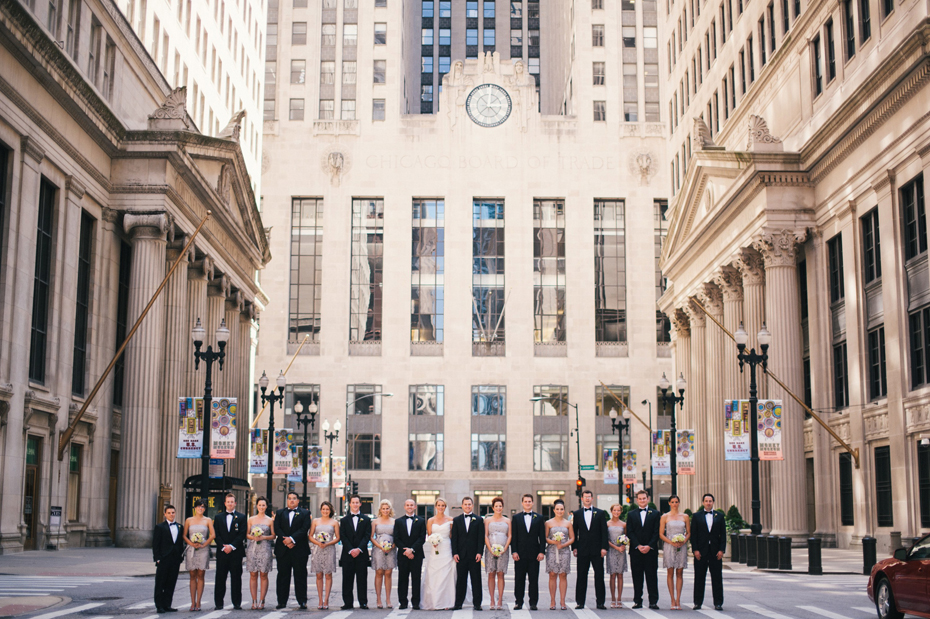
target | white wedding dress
x=439, y=571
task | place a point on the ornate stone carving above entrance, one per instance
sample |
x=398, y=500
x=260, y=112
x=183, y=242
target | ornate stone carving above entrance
x=172, y=115
x=760, y=138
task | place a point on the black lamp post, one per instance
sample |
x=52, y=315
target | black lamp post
x=580, y=482
x=208, y=356
x=271, y=398
x=651, y=446
x=618, y=425
x=753, y=359
x=331, y=437
x=673, y=400
x=305, y=419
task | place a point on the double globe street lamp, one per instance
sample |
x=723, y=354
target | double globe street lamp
x=331, y=437
x=753, y=359
x=618, y=425
x=305, y=419
x=208, y=356
x=671, y=398
x=272, y=398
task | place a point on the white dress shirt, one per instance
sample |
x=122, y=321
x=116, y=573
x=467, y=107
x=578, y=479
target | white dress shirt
x=588, y=513
x=173, y=527
x=642, y=516
x=528, y=519
x=709, y=519
x=229, y=521
x=409, y=525
x=467, y=520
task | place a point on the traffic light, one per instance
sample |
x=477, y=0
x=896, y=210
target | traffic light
x=354, y=487
x=579, y=485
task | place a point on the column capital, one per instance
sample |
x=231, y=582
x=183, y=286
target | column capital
x=695, y=314
x=176, y=246
x=711, y=298
x=200, y=269
x=247, y=311
x=730, y=282
x=32, y=149
x=749, y=264
x=110, y=215
x=681, y=322
x=75, y=187
x=149, y=225
x=779, y=248
x=234, y=301
x=218, y=287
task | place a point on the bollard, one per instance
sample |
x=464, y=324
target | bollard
x=762, y=553
x=751, y=551
x=734, y=547
x=784, y=553
x=814, y=563
x=743, y=548
x=869, y=556
x=772, y=542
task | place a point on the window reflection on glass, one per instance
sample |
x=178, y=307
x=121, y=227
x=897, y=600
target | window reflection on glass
x=549, y=270
x=550, y=452
x=427, y=400
x=365, y=296
x=609, y=271
x=488, y=452
x=604, y=401
x=425, y=452
x=488, y=271
x=306, y=287
x=363, y=452
x=488, y=400
x=555, y=404
x=363, y=399
x=427, y=294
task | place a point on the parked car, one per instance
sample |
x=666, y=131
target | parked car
x=901, y=583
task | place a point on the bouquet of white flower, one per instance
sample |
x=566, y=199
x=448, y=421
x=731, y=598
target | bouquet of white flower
x=435, y=540
x=322, y=537
x=256, y=532
x=678, y=538
x=497, y=550
x=386, y=544
x=197, y=538
x=623, y=540
x=558, y=537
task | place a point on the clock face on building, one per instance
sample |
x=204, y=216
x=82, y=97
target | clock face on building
x=488, y=105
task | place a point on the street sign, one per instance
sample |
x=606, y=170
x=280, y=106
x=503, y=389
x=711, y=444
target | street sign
x=587, y=467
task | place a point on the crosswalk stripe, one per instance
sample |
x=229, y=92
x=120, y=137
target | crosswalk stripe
x=465, y=613
x=520, y=614
x=140, y=606
x=822, y=613
x=647, y=612
x=713, y=613
x=865, y=609
x=585, y=613
x=765, y=612
x=102, y=617
x=68, y=611
x=398, y=613
x=216, y=614
x=339, y=614
x=277, y=614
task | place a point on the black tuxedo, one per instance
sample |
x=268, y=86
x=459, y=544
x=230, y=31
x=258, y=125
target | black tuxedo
x=644, y=565
x=708, y=543
x=468, y=544
x=409, y=567
x=167, y=554
x=355, y=568
x=527, y=545
x=292, y=560
x=589, y=543
x=229, y=564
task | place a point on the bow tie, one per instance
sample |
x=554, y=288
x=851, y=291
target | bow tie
x=587, y=509
x=409, y=517
x=355, y=515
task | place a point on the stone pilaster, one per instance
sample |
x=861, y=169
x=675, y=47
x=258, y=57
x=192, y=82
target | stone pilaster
x=681, y=332
x=696, y=400
x=243, y=330
x=199, y=273
x=782, y=304
x=715, y=340
x=141, y=431
x=217, y=291
x=234, y=305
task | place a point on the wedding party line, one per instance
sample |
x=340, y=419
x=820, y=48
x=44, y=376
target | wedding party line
x=439, y=560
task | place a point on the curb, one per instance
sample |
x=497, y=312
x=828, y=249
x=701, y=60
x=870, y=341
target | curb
x=15, y=606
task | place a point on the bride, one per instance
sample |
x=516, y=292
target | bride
x=439, y=572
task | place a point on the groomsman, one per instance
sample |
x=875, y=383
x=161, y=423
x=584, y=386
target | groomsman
x=167, y=551
x=292, y=549
x=229, y=526
x=590, y=525
x=467, y=546
x=355, y=533
x=642, y=528
x=528, y=543
x=409, y=537
x=708, y=543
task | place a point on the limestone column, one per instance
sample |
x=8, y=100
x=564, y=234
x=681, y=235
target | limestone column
x=199, y=273
x=779, y=249
x=696, y=401
x=243, y=332
x=141, y=434
x=178, y=348
x=736, y=473
x=217, y=291
x=682, y=337
x=232, y=376
x=712, y=455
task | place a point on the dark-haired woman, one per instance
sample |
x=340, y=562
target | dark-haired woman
x=258, y=551
x=324, y=534
x=675, y=531
x=198, y=535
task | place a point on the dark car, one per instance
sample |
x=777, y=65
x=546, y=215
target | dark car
x=901, y=583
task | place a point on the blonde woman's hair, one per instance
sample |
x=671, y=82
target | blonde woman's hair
x=388, y=503
x=615, y=505
x=437, y=501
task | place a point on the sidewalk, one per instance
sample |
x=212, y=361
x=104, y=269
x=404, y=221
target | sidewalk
x=833, y=561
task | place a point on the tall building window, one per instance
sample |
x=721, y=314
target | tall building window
x=427, y=295
x=762, y=50
x=600, y=111
x=426, y=64
x=488, y=37
x=82, y=304
x=488, y=428
x=445, y=63
x=299, y=71
x=887, y=7
x=363, y=432
x=75, y=464
x=445, y=36
x=122, y=320
x=516, y=37
x=849, y=26
x=847, y=512
x=597, y=35
x=296, y=109
x=306, y=284
x=349, y=35
x=835, y=258
x=4, y=175
x=663, y=325
x=871, y=246
x=379, y=71
x=366, y=292
x=516, y=8
x=327, y=72
x=549, y=271
x=884, y=501
x=327, y=109
x=598, y=72
x=471, y=36
x=840, y=376
x=786, y=17
x=878, y=383
x=489, y=8
x=629, y=36
x=42, y=280
x=915, y=218
x=488, y=271
x=751, y=60
x=865, y=20
x=550, y=428
x=348, y=109
x=650, y=37
x=328, y=35
x=426, y=405
x=919, y=328
x=72, y=36
x=923, y=483
x=471, y=9
x=817, y=69
x=427, y=36
x=426, y=9
x=830, y=52
x=377, y=109
x=299, y=33
x=380, y=34
x=609, y=271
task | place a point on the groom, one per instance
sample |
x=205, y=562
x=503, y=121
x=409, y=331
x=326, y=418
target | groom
x=467, y=543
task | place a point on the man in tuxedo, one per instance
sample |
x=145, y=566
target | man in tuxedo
x=642, y=528
x=590, y=547
x=167, y=551
x=229, y=526
x=355, y=533
x=528, y=543
x=409, y=537
x=292, y=549
x=467, y=545
x=708, y=543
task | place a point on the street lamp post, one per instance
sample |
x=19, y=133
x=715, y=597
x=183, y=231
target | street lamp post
x=620, y=424
x=271, y=398
x=673, y=400
x=651, y=476
x=331, y=437
x=577, y=437
x=305, y=419
x=753, y=359
x=208, y=356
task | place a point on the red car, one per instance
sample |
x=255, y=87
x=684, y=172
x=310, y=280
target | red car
x=901, y=583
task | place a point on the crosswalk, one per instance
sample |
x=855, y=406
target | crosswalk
x=30, y=586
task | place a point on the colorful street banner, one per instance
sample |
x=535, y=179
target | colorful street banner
x=685, y=459
x=315, y=464
x=258, y=452
x=324, y=473
x=736, y=428
x=223, y=433
x=768, y=416
x=611, y=472
x=296, y=463
x=283, y=460
x=190, y=427
x=339, y=471
x=662, y=452
x=629, y=466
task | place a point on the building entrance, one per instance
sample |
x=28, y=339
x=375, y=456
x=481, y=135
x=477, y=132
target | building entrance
x=31, y=490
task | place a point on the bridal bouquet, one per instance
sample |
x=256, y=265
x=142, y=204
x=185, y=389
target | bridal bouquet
x=623, y=540
x=197, y=538
x=435, y=540
x=322, y=537
x=559, y=537
x=257, y=532
x=386, y=544
x=497, y=550
x=678, y=538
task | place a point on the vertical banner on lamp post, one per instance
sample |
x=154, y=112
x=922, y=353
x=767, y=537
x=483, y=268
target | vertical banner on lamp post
x=315, y=464
x=736, y=429
x=190, y=427
x=283, y=460
x=662, y=452
x=629, y=466
x=223, y=434
x=611, y=470
x=768, y=417
x=324, y=473
x=296, y=463
x=258, y=452
x=339, y=471
x=685, y=445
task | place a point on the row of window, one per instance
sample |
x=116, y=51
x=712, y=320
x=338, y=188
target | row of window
x=327, y=109
x=884, y=496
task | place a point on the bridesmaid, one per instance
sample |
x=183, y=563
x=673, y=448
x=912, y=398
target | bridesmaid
x=616, y=555
x=675, y=554
x=559, y=554
x=258, y=551
x=496, y=532
x=197, y=554
x=384, y=559
x=324, y=534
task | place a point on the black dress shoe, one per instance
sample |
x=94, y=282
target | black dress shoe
x=416, y=608
x=478, y=608
x=363, y=606
x=654, y=606
x=401, y=606
x=532, y=606
x=578, y=606
x=302, y=607
x=601, y=607
x=640, y=605
x=696, y=607
x=456, y=608
x=718, y=607
x=220, y=607
x=237, y=608
x=518, y=606
x=346, y=607
x=280, y=606
x=172, y=610
x=160, y=611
